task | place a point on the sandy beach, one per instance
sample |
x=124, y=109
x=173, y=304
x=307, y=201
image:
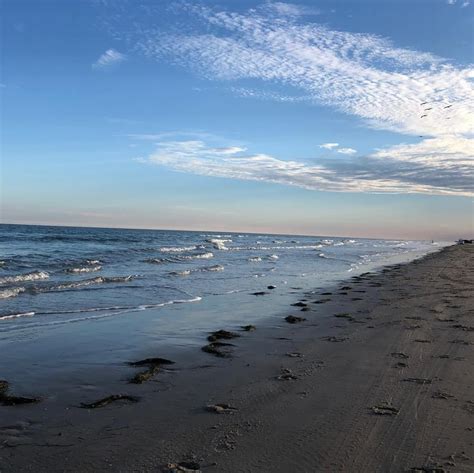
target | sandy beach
x=378, y=377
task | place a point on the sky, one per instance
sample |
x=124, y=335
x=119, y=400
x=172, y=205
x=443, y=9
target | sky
x=350, y=118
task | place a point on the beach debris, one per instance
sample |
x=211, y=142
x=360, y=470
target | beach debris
x=9, y=400
x=441, y=395
x=400, y=364
x=151, y=361
x=335, y=339
x=384, y=410
x=427, y=469
x=143, y=376
x=219, y=349
x=299, y=304
x=422, y=340
x=412, y=327
x=220, y=408
x=4, y=385
x=249, y=328
x=259, y=293
x=222, y=335
x=418, y=380
x=465, y=328
x=293, y=319
x=154, y=365
x=108, y=400
x=294, y=354
x=271, y=287
x=183, y=467
x=286, y=375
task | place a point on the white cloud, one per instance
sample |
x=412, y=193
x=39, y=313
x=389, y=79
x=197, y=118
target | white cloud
x=363, y=75
x=329, y=145
x=465, y=4
x=450, y=2
x=290, y=9
x=359, y=74
x=434, y=166
x=347, y=150
x=110, y=58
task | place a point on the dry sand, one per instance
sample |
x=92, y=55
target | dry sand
x=378, y=378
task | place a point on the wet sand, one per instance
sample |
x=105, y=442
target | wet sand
x=379, y=377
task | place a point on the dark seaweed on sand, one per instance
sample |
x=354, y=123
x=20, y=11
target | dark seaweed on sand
x=219, y=349
x=9, y=400
x=109, y=399
x=222, y=335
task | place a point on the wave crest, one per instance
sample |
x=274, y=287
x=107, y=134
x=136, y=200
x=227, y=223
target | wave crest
x=34, y=276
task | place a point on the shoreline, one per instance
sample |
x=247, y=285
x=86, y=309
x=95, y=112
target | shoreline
x=313, y=411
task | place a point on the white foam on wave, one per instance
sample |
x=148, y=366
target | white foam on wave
x=207, y=255
x=117, y=311
x=34, y=276
x=255, y=259
x=219, y=243
x=177, y=249
x=187, y=272
x=86, y=269
x=88, y=282
x=13, y=292
x=16, y=316
x=273, y=257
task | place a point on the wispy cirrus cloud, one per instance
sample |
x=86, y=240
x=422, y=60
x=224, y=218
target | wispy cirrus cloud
x=329, y=145
x=363, y=75
x=360, y=74
x=110, y=58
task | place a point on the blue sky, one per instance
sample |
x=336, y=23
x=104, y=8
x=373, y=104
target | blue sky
x=239, y=115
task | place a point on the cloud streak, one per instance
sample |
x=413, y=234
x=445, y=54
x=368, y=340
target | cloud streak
x=426, y=167
x=363, y=75
x=110, y=58
x=360, y=74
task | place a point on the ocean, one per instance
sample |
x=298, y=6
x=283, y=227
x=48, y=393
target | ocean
x=76, y=298
x=59, y=275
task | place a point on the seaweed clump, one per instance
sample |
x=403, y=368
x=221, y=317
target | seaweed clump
x=9, y=400
x=154, y=365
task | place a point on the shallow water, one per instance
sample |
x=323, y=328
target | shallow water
x=76, y=297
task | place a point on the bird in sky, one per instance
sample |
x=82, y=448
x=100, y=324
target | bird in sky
x=423, y=116
x=424, y=103
x=448, y=106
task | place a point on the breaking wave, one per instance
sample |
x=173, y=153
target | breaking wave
x=86, y=269
x=187, y=272
x=7, y=293
x=177, y=249
x=218, y=243
x=88, y=282
x=34, y=276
